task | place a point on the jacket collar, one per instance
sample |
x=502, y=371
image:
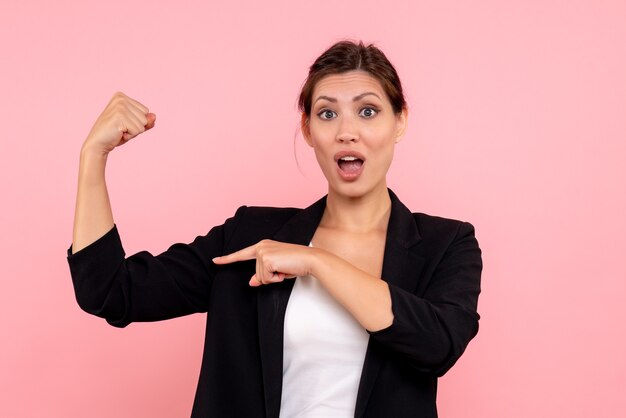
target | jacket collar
x=300, y=229
x=402, y=234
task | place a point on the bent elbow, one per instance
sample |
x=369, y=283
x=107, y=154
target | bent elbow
x=455, y=346
x=105, y=302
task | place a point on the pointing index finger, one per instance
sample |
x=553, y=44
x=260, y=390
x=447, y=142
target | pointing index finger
x=248, y=253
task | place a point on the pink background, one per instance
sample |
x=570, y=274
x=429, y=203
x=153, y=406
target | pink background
x=517, y=125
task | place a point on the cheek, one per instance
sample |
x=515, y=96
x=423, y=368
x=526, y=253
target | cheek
x=323, y=160
x=382, y=148
x=384, y=157
x=381, y=139
x=381, y=129
x=321, y=140
x=321, y=133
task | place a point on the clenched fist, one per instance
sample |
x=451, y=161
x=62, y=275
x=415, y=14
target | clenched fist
x=123, y=119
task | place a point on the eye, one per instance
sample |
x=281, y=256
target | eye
x=368, y=112
x=326, y=114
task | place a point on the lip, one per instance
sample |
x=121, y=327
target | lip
x=349, y=176
x=349, y=153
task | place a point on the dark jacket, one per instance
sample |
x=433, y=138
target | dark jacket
x=432, y=266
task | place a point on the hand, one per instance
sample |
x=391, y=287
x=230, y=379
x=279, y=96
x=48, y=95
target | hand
x=275, y=261
x=122, y=119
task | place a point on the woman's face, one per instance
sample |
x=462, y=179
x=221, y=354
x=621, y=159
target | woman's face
x=353, y=130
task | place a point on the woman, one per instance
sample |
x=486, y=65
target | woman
x=337, y=341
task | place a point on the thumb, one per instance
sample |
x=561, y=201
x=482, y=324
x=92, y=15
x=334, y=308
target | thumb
x=151, y=117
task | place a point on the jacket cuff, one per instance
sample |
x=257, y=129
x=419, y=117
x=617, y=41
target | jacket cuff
x=388, y=330
x=106, y=250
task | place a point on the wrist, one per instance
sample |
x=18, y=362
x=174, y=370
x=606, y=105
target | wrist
x=319, y=258
x=92, y=166
x=88, y=152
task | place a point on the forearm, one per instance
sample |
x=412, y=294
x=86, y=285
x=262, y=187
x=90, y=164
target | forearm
x=366, y=297
x=93, y=216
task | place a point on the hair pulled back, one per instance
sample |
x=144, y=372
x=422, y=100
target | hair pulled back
x=346, y=56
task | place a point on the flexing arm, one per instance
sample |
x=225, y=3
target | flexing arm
x=122, y=120
x=141, y=287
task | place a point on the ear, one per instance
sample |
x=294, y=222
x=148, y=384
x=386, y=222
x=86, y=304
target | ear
x=401, y=123
x=305, y=128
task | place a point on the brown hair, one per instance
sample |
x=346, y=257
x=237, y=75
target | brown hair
x=346, y=56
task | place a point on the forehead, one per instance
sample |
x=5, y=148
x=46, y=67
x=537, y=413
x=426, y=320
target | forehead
x=347, y=85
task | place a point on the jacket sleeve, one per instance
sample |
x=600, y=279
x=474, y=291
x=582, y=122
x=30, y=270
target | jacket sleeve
x=431, y=332
x=144, y=287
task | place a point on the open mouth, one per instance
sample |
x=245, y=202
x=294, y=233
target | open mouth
x=350, y=164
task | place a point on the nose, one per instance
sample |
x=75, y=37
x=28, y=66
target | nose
x=348, y=131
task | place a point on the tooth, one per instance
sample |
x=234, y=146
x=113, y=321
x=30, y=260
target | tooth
x=348, y=158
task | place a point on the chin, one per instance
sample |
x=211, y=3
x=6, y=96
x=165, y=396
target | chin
x=356, y=189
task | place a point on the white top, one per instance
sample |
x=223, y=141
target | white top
x=323, y=353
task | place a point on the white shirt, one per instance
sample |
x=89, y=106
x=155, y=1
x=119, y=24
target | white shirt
x=323, y=353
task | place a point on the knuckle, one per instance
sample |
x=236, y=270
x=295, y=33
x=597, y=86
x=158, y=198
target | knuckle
x=118, y=107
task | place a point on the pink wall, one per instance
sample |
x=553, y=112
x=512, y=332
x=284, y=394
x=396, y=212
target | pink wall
x=517, y=124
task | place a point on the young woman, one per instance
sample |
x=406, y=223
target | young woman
x=350, y=307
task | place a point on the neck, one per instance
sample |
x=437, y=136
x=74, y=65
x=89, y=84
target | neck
x=357, y=214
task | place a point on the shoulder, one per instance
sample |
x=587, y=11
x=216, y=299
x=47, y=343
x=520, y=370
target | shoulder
x=267, y=215
x=430, y=225
x=251, y=224
x=441, y=236
x=427, y=227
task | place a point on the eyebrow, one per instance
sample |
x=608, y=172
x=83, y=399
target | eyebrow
x=355, y=99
